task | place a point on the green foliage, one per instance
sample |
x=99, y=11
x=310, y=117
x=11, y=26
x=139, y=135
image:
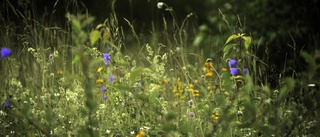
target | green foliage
x=311, y=62
x=154, y=90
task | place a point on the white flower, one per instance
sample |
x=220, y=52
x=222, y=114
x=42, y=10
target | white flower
x=132, y=132
x=160, y=5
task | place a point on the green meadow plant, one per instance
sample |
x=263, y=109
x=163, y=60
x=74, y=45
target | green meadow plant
x=89, y=84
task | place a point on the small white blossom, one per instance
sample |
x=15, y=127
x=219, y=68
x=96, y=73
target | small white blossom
x=160, y=5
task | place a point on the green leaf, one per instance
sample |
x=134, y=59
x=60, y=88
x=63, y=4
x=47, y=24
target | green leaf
x=153, y=97
x=76, y=26
x=76, y=59
x=228, y=47
x=232, y=37
x=94, y=36
x=142, y=97
x=185, y=128
x=311, y=62
x=290, y=83
x=88, y=21
x=168, y=127
x=170, y=116
x=198, y=40
x=247, y=41
x=135, y=74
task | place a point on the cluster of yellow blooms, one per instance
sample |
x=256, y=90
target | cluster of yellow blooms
x=99, y=81
x=140, y=134
x=193, y=91
x=208, y=68
x=177, y=88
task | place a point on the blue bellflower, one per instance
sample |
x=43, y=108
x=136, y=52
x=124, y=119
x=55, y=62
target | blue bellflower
x=111, y=78
x=6, y=104
x=103, y=89
x=107, y=58
x=234, y=71
x=232, y=62
x=245, y=70
x=5, y=52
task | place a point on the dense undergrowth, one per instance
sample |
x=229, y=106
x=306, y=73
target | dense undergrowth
x=86, y=81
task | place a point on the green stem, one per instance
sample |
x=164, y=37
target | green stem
x=181, y=43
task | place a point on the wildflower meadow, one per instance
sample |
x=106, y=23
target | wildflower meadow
x=97, y=79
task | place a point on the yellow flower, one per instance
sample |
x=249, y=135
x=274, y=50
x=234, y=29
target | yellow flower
x=224, y=69
x=177, y=94
x=208, y=74
x=59, y=72
x=100, y=69
x=44, y=90
x=215, y=116
x=164, y=81
x=140, y=134
x=157, y=86
x=195, y=95
x=99, y=81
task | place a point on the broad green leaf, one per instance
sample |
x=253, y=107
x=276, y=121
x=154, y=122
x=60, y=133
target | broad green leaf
x=228, y=47
x=142, y=97
x=87, y=21
x=76, y=59
x=94, y=36
x=76, y=26
x=283, y=92
x=135, y=74
x=168, y=127
x=198, y=40
x=171, y=116
x=311, y=62
x=232, y=37
x=153, y=97
x=290, y=83
x=185, y=128
x=247, y=41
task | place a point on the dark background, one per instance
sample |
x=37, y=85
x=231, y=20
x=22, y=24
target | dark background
x=283, y=28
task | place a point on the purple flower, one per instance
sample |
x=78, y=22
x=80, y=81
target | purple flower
x=103, y=89
x=232, y=62
x=191, y=114
x=5, y=52
x=245, y=70
x=190, y=102
x=6, y=104
x=104, y=98
x=234, y=71
x=139, y=83
x=107, y=58
x=50, y=56
x=111, y=78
